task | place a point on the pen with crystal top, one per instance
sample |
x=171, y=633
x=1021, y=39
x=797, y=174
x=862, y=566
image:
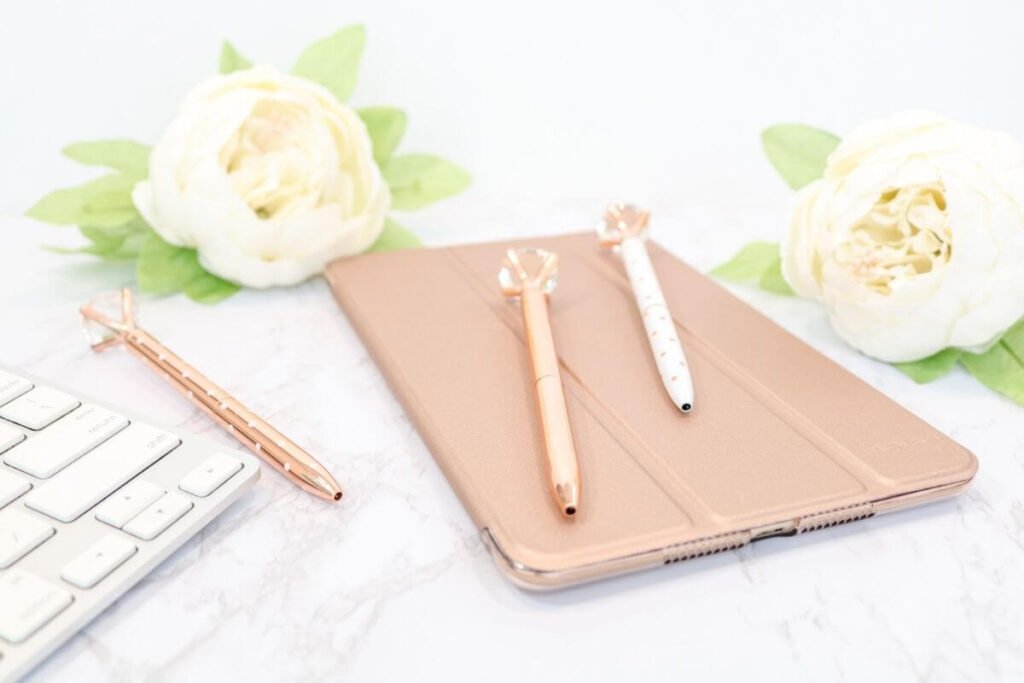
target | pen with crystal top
x=624, y=228
x=530, y=276
x=115, y=324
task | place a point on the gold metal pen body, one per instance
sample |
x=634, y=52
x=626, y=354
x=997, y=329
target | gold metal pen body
x=554, y=418
x=251, y=430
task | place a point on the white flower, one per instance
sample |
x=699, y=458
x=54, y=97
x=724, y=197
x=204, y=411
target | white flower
x=268, y=176
x=914, y=238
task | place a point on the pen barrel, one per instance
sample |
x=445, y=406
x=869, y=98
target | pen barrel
x=541, y=340
x=658, y=323
x=558, y=443
x=640, y=270
x=554, y=418
x=252, y=431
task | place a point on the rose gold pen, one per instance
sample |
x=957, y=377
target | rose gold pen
x=530, y=275
x=251, y=430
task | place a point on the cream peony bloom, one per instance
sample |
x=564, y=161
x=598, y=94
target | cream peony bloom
x=914, y=238
x=268, y=176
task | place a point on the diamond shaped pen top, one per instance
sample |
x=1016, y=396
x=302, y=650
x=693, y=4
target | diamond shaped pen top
x=621, y=221
x=107, y=318
x=523, y=268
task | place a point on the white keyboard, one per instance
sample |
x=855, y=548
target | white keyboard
x=91, y=500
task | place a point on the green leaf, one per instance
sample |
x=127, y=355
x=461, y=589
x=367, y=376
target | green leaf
x=129, y=250
x=231, y=59
x=750, y=263
x=110, y=200
x=89, y=203
x=1001, y=368
x=394, y=237
x=931, y=368
x=799, y=153
x=1014, y=339
x=120, y=155
x=108, y=210
x=106, y=218
x=758, y=262
x=118, y=242
x=772, y=281
x=163, y=268
x=417, y=180
x=210, y=289
x=386, y=126
x=334, y=61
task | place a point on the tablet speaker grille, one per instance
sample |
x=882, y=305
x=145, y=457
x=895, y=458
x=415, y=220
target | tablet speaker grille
x=822, y=520
x=705, y=546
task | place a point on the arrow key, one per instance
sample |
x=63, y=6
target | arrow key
x=152, y=521
x=98, y=561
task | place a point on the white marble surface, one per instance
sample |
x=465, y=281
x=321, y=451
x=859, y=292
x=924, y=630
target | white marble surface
x=394, y=584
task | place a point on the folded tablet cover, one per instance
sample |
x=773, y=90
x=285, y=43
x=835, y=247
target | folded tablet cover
x=780, y=435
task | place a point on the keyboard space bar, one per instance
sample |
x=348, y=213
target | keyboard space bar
x=100, y=472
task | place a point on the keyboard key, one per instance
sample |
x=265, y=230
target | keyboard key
x=28, y=604
x=207, y=478
x=97, y=474
x=103, y=557
x=63, y=443
x=10, y=436
x=20, y=534
x=158, y=516
x=12, y=386
x=12, y=486
x=39, y=408
x=121, y=507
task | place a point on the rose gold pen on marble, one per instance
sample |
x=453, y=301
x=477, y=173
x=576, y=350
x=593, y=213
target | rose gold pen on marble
x=530, y=275
x=114, y=323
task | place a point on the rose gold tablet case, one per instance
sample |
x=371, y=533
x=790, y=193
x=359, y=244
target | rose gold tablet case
x=783, y=440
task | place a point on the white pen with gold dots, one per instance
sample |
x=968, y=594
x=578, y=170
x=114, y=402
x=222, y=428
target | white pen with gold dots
x=624, y=227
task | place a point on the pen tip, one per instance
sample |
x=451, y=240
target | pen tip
x=568, y=495
x=337, y=495
x=686, y=407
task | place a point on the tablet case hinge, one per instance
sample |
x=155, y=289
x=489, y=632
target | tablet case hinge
x=821, y=520
x=705, y=546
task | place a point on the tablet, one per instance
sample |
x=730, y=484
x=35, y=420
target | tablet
x=781, y=440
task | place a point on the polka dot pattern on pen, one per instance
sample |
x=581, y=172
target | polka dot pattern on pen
x=661, y=333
